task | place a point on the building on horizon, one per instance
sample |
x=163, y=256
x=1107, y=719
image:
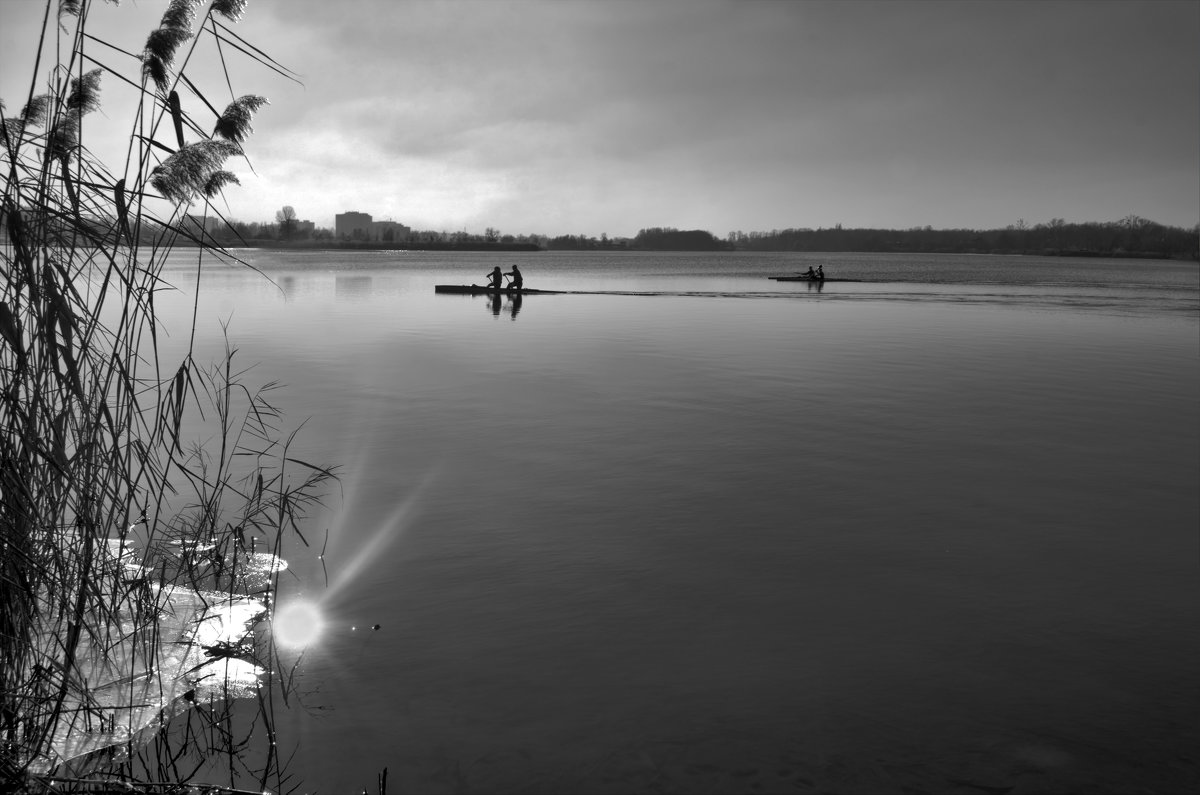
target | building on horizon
x=389, y=232
x=201, y=226
x=352, y=225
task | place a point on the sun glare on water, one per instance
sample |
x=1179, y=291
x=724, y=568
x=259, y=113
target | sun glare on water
x=297, y=624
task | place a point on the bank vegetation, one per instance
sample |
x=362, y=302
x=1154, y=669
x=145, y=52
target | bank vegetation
x=146, y=499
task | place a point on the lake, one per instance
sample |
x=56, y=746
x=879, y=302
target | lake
x=689, y=529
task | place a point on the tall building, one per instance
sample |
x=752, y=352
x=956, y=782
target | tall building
x=352, y=226
x=201, y=225
x=359, y=226
x=389, y=232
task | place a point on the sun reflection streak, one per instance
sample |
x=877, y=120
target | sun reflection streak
x=384, y=535
x=389, y=530
x=298, y=622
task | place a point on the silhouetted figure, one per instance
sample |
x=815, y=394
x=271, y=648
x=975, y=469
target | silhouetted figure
x=497, y=279
x=810, y=273
x=515, y=275
x=821, y=272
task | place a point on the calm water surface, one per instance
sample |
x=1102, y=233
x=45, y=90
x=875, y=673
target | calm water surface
x=931, y=532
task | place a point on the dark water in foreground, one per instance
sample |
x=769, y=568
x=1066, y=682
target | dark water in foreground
x=931, y=534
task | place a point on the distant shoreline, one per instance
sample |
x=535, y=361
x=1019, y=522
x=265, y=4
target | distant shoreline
x=360, y=246
x=325, y=245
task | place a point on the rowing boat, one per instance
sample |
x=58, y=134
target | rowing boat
x=807, y=279
x=475, y=289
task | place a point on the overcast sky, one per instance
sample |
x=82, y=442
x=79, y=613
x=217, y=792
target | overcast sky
x=586, y=117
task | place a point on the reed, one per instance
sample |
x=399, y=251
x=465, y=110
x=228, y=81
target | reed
x=144, y=503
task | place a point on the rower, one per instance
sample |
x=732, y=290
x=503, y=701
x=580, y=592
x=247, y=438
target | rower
x=809, y=273
x=497, y=279
x=515, y=275
x=820, y=272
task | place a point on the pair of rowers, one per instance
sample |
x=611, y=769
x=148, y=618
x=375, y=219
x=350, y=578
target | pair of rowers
x=819, y=273
x=497, y=278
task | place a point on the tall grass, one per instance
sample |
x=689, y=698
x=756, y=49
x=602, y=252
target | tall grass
x=126, y=537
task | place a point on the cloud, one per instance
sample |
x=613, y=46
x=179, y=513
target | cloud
x=609, y=116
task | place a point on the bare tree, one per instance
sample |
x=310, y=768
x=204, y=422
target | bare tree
x=286, y=218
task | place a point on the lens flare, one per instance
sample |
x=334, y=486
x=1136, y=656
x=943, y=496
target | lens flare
x=297, y=624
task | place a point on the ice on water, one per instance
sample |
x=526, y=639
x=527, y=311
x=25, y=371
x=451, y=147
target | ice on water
x=134, y=688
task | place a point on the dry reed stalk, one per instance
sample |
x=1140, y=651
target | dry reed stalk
x=122, y=539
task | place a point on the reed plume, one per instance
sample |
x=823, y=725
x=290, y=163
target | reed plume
x=234, y=123
x=85, y=92
x=230, y=9
x=34, y=112
x=186, y=173
x=174, y=29
x=218, y=182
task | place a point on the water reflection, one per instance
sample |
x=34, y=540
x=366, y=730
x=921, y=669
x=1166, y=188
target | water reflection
x=352, y=287
x=514, y=304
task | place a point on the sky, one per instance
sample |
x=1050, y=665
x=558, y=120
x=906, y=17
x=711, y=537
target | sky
x=593, y=117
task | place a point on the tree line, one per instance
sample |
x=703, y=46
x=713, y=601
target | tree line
x=1132, y=236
